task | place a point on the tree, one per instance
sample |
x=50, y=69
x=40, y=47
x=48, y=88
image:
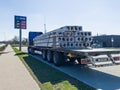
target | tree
x=15, y=40
x=24, y=41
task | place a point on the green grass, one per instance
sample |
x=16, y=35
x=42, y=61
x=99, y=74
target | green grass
x=49, y=78
x=17, y=45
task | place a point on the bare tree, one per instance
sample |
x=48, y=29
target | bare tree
x=24, y=41
x=15, y=40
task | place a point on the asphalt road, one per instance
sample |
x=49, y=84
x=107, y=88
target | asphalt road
x=102, y=78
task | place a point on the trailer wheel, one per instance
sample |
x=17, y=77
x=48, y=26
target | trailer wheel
x=31, y=50
x=79, y=61
x=58, y=58
x=72, y=60
x=49, y=56
x=44, y=54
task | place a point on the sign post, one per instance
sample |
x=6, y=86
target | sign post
x=20, y=23
x=20, y=36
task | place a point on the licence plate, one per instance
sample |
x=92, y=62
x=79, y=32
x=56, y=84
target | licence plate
x=101, y=59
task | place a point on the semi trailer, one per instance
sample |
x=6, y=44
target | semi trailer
x=70, y=44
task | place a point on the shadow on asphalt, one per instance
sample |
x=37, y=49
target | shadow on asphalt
x=5, y=52
x=98, y=79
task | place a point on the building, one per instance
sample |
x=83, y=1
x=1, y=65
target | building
x=107, y=40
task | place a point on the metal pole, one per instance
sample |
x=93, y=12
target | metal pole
x=44, y=28
x=112, y=44
x=20, y=35
x=20, y=39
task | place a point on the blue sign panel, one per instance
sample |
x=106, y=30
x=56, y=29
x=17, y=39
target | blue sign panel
x=20, y=22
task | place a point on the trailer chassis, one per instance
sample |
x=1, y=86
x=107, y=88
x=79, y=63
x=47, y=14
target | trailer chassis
x=60, y=55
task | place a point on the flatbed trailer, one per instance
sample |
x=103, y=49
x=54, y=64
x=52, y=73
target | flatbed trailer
x=84, y=56
x=70, y=43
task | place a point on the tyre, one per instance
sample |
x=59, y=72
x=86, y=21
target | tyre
x=31, y=51
x=79, y=61
x=58, y=58
x=44, y=54
x=72, y=60
x=49, y=56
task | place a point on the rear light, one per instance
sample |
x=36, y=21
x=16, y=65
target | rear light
x=85, y=61
x=116, y=58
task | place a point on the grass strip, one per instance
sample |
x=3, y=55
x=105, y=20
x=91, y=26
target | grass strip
x=49, y=78
x=17, y=45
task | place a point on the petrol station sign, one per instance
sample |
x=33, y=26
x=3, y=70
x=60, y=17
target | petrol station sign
x=20, y=22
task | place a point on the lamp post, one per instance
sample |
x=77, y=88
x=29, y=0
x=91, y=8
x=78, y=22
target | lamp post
x=112, y=41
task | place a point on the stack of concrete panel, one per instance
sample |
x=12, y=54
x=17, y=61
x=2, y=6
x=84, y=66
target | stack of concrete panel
x=65, y=37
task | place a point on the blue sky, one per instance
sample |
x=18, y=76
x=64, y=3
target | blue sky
x=97, y=16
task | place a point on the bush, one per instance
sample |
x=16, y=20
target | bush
x=3, y=47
